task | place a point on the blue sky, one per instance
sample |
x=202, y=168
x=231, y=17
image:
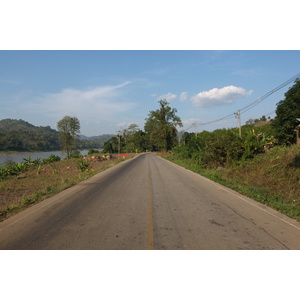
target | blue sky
x=108, y=90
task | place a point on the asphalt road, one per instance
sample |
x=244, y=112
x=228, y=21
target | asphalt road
x=149, y=203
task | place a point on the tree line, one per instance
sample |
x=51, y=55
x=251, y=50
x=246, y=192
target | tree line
x=212, y=149
x=19, y=135
x=160, y=134
x=225, y=146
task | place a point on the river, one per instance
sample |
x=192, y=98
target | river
x=17, y=158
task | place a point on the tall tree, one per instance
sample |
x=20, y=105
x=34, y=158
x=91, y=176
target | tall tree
x=129, y=137
x=287, y=113
x=161, y=127
x=68, y=128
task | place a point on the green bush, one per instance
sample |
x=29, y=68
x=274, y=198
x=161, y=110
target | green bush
x=50, y=159
x=83, y=166
x=76, y=154
x=93, y=151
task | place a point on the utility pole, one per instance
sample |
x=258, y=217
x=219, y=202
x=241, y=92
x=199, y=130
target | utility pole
x=238, y=116
x=195, y=124
x=119, y=143
x=297, y=129
x=119, y=135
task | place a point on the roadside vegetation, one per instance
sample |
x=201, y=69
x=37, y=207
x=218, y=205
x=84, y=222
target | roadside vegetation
x=24, y=184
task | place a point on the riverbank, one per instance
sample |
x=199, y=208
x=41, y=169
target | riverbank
x=18, y=157
x=15, y=152
x=39, y=183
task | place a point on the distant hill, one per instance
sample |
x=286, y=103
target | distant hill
x=93, y=141
x=19, y=135
x=9, y=124
x=100, y=138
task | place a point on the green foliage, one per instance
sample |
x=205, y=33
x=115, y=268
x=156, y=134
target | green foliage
x=18, y=135
x=141, y=141
x=224, y=146
x=50, y=159
x=160, y=133
x=111, y=146
x=83, y=166
x=131, y=140
x=76, y=154
x=161, y=129
x=93, y=151
x=93, y=142
x=13, y=169
x=287, y=112
x=54, y=168
x=69, y=128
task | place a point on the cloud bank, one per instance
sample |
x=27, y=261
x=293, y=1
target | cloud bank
x=101, y=105
x=84, y=103
x=217, y=97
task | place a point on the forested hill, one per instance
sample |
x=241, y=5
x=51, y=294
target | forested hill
x=19, y=135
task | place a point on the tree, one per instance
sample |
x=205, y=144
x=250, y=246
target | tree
x=141, y=141
x=161, y=127
x=129, y=137
x=111, y=146
x=68, y=128
x=287, y=113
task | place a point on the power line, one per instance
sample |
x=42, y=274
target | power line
x=251, y=105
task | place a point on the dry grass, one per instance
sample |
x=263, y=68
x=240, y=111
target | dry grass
x=277, y=171
x=18, y=192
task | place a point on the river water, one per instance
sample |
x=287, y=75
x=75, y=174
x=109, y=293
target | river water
x=17, y=158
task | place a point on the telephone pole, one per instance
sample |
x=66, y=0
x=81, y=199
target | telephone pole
x=238, y=116
x=119, y=142
x=195, y=125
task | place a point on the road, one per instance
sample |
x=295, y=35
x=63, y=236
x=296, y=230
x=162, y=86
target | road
x=149, y=203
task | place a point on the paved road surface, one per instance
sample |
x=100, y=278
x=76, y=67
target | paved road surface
x=149, y=203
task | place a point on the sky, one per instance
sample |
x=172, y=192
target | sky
x=107, y=90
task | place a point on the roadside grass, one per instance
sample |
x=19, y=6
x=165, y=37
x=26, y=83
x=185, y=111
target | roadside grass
x=272, y=178
x=41, y=182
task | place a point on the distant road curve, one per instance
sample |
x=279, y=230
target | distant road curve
x=149, y=203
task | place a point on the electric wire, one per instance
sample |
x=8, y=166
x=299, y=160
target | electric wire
x=249, y=106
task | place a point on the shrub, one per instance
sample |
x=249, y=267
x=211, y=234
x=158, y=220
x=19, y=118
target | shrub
x=50, y=159
x=83, y=166
x=76, y=154
x=93, y=151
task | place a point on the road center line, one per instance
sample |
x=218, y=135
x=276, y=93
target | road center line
x=150, y=225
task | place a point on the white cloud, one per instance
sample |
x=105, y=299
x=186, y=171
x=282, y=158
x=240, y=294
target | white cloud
x=183, y=96
x=168, y=97
x=103, y=104
x=217, y=97
x=95, y=102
